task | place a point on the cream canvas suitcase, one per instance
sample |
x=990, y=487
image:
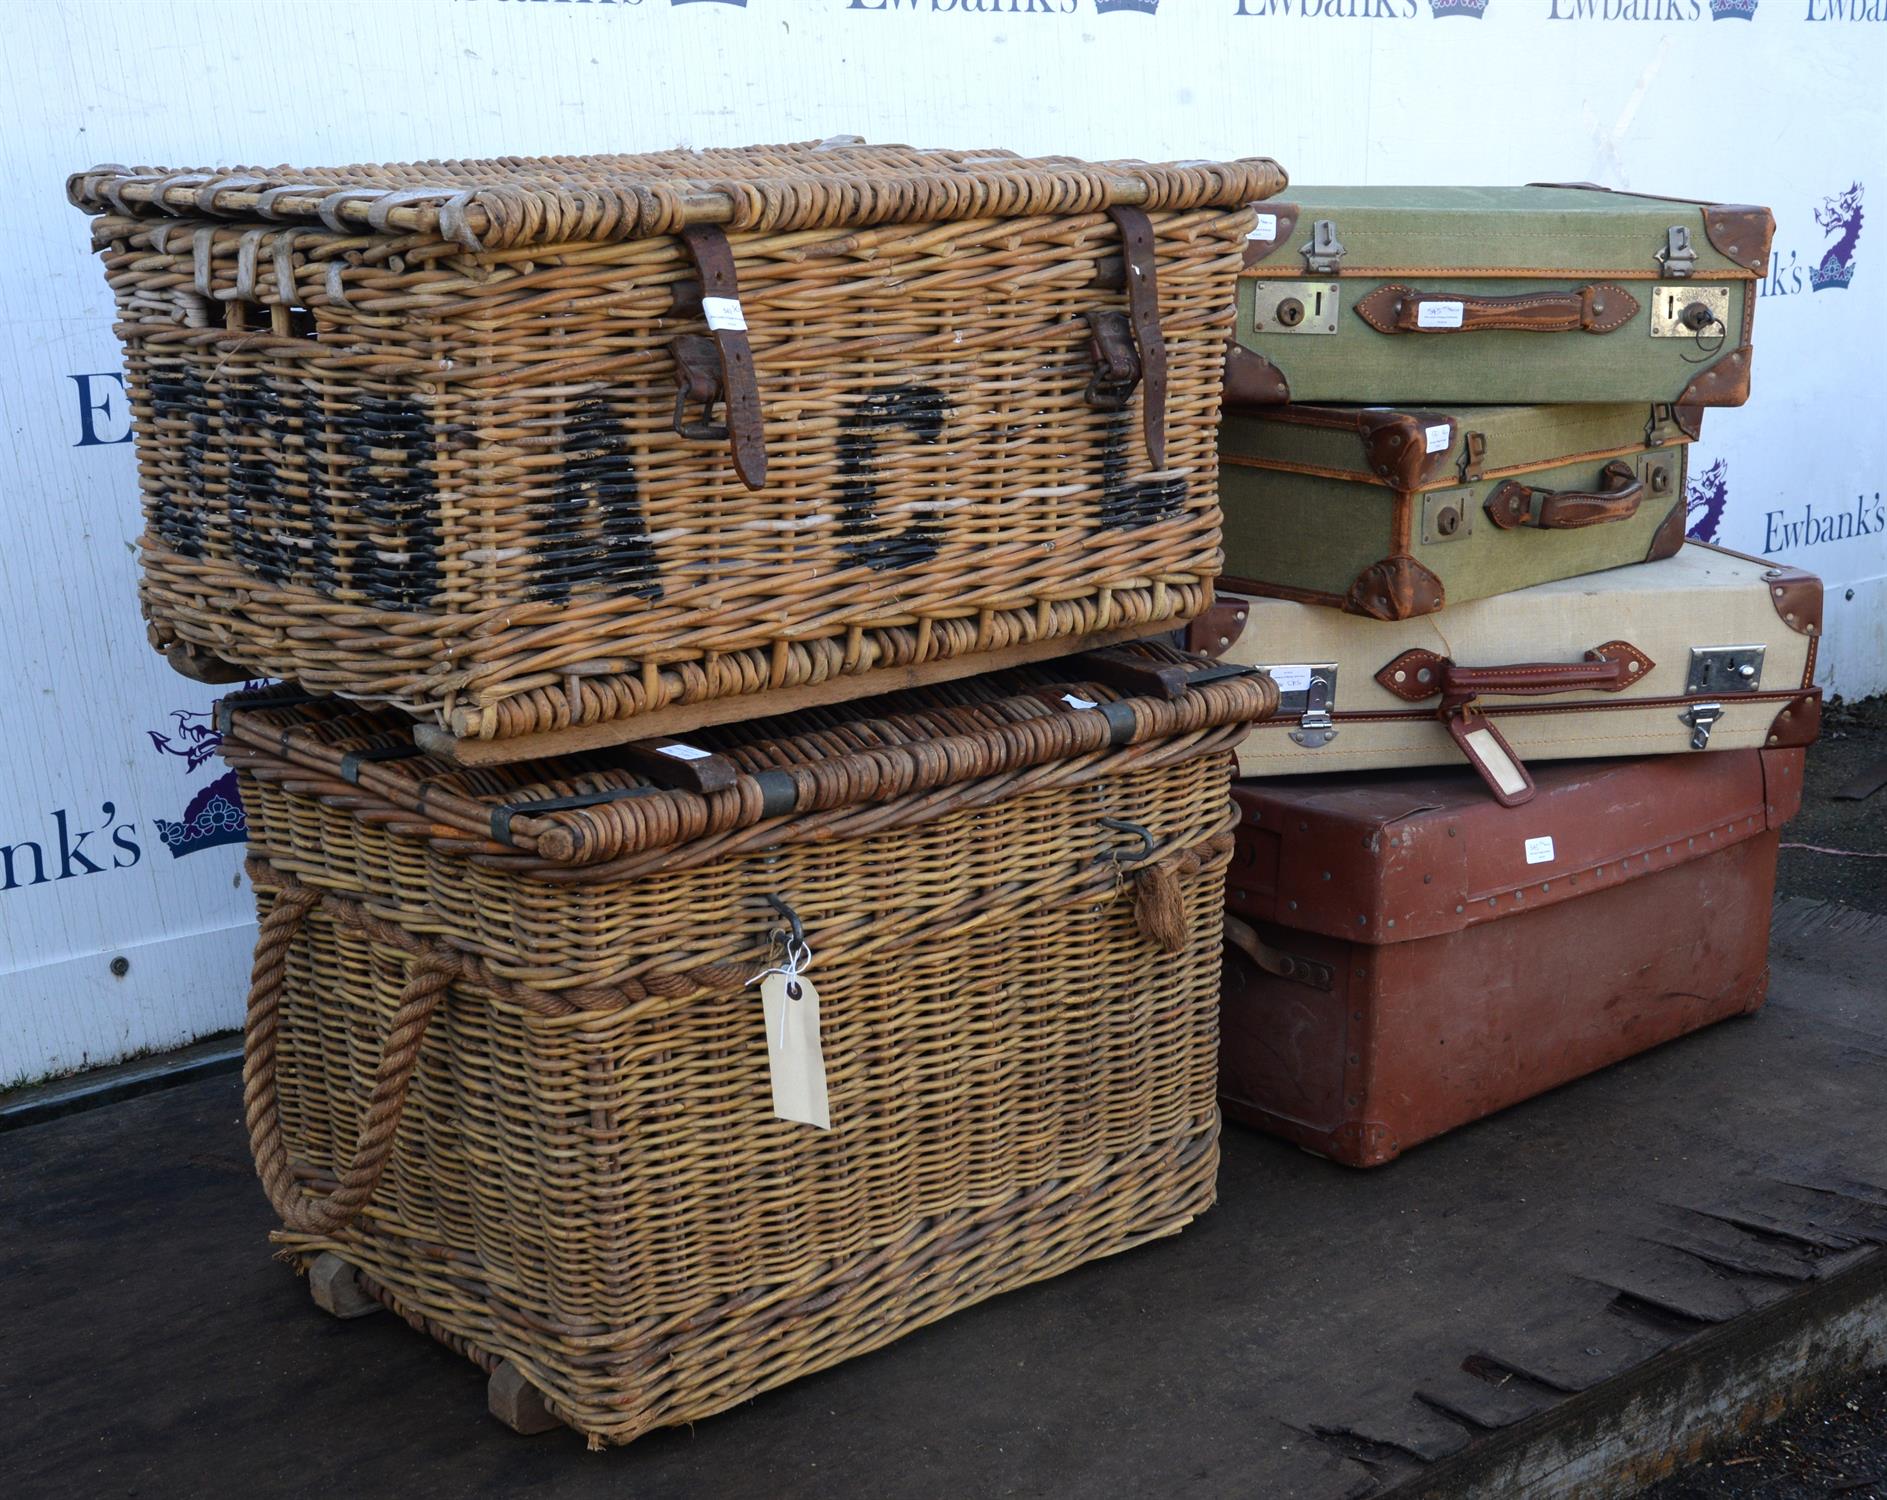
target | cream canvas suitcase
x=1705, y=650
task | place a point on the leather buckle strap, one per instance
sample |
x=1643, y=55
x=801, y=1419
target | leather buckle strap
x=1143, y=309
x=738, y=382
x=1621, y=487
x=1116, y=362
x=1597, y=308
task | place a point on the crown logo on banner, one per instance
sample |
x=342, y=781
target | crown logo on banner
x=741, y=3
x=1735, y=10
x=1475, y=8
x=1136, y=7
x=215, y=816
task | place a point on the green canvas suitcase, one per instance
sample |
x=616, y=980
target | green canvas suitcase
x=1393, y=513
x=1544, y=293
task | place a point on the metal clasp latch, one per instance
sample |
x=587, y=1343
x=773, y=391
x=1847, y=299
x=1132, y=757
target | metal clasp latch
x=1677, y=257
x=1315, y=728
x=1702, y=718
x=699, y=377
x=1473, y=456
x=1116, y=361
x=1324, y=254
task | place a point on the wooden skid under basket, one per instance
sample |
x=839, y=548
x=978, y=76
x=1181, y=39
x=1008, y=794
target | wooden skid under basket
x=530, y=1099
x=517, y=446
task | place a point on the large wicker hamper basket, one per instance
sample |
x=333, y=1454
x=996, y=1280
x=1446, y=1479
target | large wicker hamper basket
x=517, y=445
x=505, y=1058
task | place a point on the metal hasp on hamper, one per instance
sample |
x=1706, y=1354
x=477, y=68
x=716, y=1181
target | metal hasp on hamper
x=1704, y=650
x=506, y=1054
x=1564, y=293
x=1394, y=513
x=1404, y=956
x=525, y=445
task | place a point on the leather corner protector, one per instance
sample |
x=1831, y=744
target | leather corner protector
x=1414, y=675
x=1799, y=723
x=1397, y=588
x=1251, y=379
x=1395, y=446
x=1689, y=417
x=1669, y=536
x=1258, y=251
x=1726, y=383
x=1797, y=596
x=1212, y=632
x=1740, y=232
x=1637, y=664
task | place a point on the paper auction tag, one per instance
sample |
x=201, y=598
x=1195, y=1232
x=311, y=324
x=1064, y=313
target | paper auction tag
x=793, y=1056
x=724, y=313
x=1439, y=314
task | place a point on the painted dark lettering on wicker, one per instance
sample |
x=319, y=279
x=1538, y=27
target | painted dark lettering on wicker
x=920, y=408
x=521, y=1082
x=467, y=362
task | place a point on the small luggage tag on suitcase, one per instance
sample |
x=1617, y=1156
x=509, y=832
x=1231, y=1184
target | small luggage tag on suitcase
x=793, y=1053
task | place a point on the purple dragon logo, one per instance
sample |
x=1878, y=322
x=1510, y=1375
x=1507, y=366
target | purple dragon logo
x=214, y=815
x=1840, y=217
x=1703, y=502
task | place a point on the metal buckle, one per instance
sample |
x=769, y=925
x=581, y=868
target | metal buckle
x=1324, y=254
x=1116, y=360
x=1473, y=455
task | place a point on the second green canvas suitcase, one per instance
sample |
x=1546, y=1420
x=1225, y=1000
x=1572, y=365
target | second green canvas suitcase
x=1544, y=293
x=1392, y=513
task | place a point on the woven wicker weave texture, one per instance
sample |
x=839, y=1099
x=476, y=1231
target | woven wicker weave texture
x=403, y=469
x=578, y=1170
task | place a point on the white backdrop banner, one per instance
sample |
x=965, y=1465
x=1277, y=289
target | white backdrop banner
x=123, y=921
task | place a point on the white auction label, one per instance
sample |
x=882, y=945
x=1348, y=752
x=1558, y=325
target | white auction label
x=1265, y=229
x=1439, y=315
x=1438, y=436
x=1292, y=679
x=1075, y=702
x=1540, y=850
x=684, y=752
x=724, y=314
x=790, y=1006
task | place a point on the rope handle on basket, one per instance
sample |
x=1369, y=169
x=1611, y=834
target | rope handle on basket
x=300, y=1208
x=1159, y=906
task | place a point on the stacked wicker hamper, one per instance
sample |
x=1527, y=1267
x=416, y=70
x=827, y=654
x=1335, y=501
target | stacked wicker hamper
x=699, y=577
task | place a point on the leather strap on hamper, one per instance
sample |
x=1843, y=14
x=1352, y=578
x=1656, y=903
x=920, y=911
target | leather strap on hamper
x=1616, y=499
x=1143, y=310
x=1599, y=308
x=740, y=388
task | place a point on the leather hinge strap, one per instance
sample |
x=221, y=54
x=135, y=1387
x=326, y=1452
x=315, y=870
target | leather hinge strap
x=1598, y=308
x=720, y=305
x=1143, y=310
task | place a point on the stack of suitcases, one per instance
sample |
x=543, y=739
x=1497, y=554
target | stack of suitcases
x=1442, y=901
x=766, y=765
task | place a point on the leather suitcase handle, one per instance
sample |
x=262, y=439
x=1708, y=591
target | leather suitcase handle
x=1417, y=675
x=1596, y=308
x=1514, y=504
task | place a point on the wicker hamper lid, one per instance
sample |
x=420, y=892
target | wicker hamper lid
x=511, y=201
x=859, y=767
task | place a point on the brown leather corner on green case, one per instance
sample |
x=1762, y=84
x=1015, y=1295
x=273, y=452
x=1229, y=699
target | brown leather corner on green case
x=1393, y=514
x=1552, y=292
